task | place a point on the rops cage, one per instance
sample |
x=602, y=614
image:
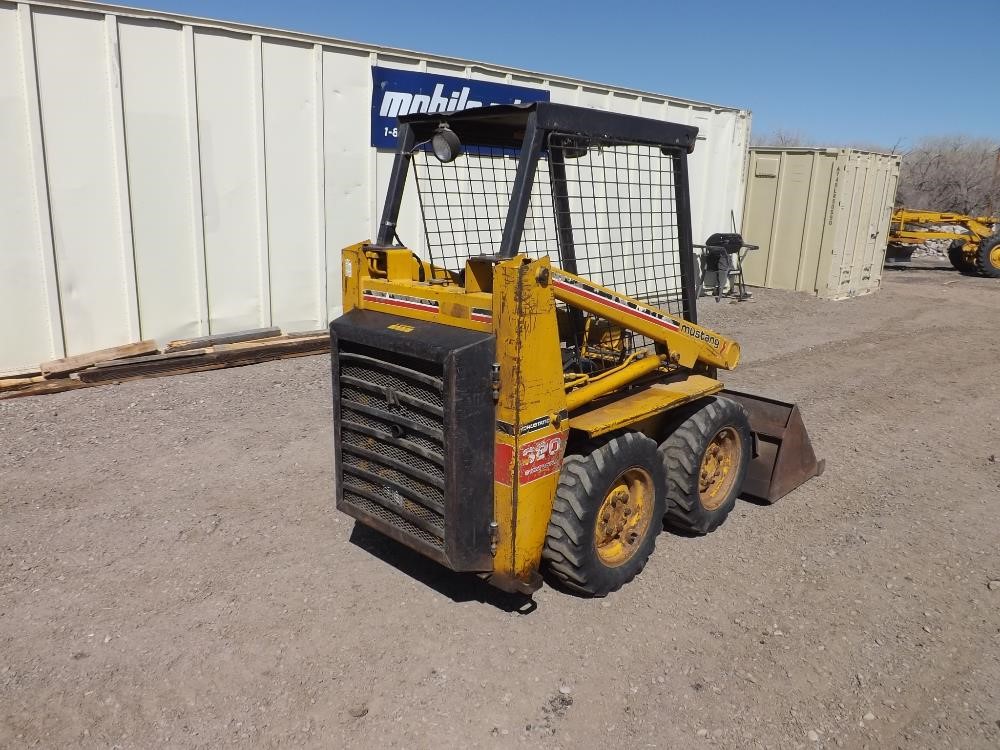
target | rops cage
x=604, y=196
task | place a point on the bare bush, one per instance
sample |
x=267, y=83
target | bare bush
x=780, y=138
x=952, y=173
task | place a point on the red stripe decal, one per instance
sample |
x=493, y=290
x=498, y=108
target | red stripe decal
x=612, y=303
x=400, y=303
x=503, y=464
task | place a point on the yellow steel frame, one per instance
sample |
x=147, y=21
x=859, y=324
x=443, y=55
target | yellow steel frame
x=384, y=280
x=532, y=424
x=643, y=405
x=979, y=227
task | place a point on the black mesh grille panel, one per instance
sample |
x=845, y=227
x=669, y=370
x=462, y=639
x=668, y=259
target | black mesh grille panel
x=418, y=385
x=392, y=451
x=421, y=491
x=393, y=519
x=392, y=444
x=402, y=407
x=353, y=418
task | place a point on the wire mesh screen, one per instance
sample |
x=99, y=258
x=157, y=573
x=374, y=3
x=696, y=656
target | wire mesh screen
x=606, y=209
x=618, y=202
x=464, y=205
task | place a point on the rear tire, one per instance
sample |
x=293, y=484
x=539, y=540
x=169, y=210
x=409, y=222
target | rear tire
x=988, y=257
x=705, y=459
x=957, y=257
x=606, y=515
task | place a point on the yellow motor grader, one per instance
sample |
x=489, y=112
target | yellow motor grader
x=533, y=393
x=976, y=250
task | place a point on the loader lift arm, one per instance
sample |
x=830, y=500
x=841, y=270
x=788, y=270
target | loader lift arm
x=681, y=347
x=689, y=343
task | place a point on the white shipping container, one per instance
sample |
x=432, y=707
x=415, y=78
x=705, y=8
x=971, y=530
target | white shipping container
x=168, y=177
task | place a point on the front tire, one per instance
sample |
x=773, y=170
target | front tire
x=606, y=515
x=988, y=257
x=705, y=459
x=957, y=257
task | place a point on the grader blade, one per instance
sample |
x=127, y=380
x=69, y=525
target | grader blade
x=784, y=456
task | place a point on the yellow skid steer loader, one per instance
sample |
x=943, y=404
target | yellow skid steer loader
x=533, y=393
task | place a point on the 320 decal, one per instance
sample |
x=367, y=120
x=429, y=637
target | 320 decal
x=541, y=457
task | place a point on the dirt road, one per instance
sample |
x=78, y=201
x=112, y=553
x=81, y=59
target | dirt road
x=173, y=573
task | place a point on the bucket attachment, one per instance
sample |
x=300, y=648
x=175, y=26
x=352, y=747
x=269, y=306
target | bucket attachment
x=783, y=456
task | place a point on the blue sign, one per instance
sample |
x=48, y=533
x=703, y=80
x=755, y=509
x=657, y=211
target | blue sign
x=404, y=92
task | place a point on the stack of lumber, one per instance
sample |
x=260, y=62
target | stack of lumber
x=143, y=359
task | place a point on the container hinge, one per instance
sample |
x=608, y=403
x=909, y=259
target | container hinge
x=495, y=381
x=494, y=537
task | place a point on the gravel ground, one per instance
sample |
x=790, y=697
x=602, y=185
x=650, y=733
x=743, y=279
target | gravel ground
x=173, y=572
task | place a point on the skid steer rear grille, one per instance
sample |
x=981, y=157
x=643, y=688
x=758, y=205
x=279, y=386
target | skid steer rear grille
x=393, y=444
x=357, y=436
x=387, y=516
x=414, y=423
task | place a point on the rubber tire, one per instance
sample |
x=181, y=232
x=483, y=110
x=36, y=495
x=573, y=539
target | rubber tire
x=681, y=455
x=983, y=264
x=570, y=555
x=957, y=257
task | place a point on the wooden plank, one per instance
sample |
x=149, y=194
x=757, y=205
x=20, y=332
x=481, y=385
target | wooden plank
x=55, y=385
x=66, y=365
x=20, y=374
x=232, y=355
x=152, y=358
x=10, y=384
x=306, y=334
x=201, y=342
x=280, y=343
x=176, y=363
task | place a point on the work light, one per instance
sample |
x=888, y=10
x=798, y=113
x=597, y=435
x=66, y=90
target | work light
x=446, y=145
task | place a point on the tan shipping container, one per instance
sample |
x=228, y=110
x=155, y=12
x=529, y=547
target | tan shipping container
x=820, y=217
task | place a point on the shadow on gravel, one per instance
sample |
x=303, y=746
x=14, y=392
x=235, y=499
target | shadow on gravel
x=904, y=267
x=459, y=587
x=755, y=501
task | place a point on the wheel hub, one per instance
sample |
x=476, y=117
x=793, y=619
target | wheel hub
x=995, y=257
x=719, y=466
x=624, y=517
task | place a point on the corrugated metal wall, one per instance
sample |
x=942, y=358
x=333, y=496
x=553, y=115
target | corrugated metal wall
x=820, y=217
x=166, y=177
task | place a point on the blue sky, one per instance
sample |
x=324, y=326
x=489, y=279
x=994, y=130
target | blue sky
x=839, y=72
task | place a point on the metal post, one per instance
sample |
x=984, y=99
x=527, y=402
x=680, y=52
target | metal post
x=397, y=183
x=564, y=229
x=520, y=194
x=560, y=203
x=682, y=199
